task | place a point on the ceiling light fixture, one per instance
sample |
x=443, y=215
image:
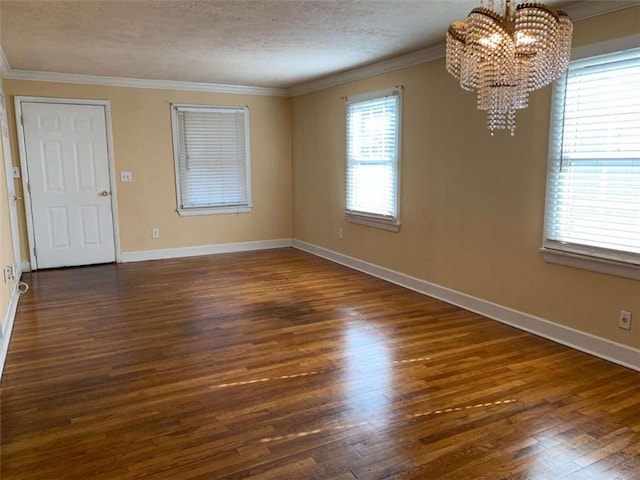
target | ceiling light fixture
x=504, y=58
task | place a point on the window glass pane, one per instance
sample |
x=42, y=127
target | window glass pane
x=212, y=157
x=593, y=193
x=372, y=155
x=372, y=188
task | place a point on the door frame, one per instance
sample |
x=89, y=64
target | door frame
x=106, y=105
x=11, y=192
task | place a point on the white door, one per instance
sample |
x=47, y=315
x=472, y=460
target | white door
x=68, y=172
x=11, y=189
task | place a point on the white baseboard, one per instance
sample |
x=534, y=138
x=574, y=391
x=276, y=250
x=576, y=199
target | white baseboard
x=8, y=327
x=26, y=266
x=166, y=253
x=585, y=342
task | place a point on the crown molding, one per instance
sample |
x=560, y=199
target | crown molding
x=4, y=64
x=385, y=66
x=583, y=10
x=142, y=83
x=579, y=10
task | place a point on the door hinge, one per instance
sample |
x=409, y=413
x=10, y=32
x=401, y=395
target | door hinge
x=29, y=186
x=22, y=119
x=34, y=251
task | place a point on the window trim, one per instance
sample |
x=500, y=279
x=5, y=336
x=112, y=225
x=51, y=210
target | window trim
x=591, y=263
x=210, y=210
x=567, y=254
x=383, y=222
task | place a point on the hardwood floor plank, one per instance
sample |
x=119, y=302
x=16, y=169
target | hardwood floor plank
x=281, y=365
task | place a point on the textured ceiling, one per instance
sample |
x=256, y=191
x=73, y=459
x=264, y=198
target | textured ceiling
x=268, y=43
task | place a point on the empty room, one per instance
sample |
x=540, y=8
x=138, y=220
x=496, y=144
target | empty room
x=319, y=239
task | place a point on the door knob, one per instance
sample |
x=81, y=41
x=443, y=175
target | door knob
x=104, y=193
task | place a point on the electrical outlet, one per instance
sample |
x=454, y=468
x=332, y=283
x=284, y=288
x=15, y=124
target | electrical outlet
x=9, y=273
x=155, y=233
x=624, y=320
x=126, y=177
x=340, y=234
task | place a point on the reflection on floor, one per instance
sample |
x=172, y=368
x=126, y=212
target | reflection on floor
x=280, y=365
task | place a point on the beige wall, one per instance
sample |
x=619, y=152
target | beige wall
x=472, y=205
x=6, y=245
x=143, y=145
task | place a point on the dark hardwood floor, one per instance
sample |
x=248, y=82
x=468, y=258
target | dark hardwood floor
x=280, y=365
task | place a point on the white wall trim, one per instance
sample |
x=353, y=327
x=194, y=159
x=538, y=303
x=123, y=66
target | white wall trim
x=592, y=263
x=577, y=11
x=583, y=10
x=181, y=252
x=113, y=182
x=26, y=266
x=4, y=64
x=385, y=66
x=585, y=342
x=142, y=83
x=11, y=186
x=5, y=336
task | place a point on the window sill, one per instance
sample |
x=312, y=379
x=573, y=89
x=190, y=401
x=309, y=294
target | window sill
x=188, y=212
x=594, y=264
x=375, y=222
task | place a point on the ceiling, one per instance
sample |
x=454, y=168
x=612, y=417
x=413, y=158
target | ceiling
x=262, y=43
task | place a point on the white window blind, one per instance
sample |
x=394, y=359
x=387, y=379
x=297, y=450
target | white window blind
x=373, y=154
x=593, y=189
x=212, y=159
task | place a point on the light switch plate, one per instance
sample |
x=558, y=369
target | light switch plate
x=126, y=177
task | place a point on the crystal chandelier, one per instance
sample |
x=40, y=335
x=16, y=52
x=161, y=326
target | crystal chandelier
x=504, y=58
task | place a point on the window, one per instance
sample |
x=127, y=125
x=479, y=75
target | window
x=373, y=158
x=211, y=153
x=593, y=187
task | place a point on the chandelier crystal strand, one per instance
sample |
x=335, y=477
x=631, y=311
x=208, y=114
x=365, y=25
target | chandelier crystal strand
x=504, y=57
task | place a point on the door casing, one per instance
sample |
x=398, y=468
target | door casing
x=13, y=199
x=25, y=172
